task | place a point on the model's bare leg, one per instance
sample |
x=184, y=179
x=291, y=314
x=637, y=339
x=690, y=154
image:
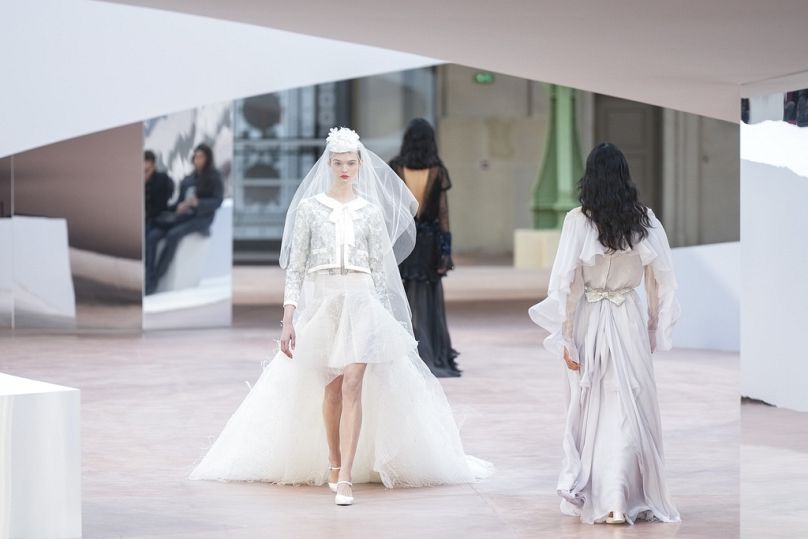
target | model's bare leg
x=332, y=410
x=351, y=421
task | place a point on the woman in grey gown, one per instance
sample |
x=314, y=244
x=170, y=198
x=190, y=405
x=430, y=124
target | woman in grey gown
x=613, y=465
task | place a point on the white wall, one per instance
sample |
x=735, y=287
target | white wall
x=774, y=258
x=710, y=294
x=72, y=67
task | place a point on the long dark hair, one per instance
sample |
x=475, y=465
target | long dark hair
x=608, y=198
x=205, y=179
x=418, y=148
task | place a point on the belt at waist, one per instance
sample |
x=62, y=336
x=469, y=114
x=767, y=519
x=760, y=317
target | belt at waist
x=338, y=271
x=617, y=297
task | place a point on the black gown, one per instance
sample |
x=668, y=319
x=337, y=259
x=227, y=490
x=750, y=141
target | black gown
x=424, y=268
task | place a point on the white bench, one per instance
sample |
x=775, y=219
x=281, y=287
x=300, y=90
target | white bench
x=199, y=257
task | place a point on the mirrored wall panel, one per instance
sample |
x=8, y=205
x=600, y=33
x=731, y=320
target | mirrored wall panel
x=6, y=246
x=77, y=238
x=188, y=218
x=774, y=186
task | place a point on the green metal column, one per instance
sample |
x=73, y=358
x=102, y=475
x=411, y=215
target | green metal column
x=556, y=190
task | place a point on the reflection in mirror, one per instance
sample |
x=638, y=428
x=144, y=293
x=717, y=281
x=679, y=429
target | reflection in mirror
x=77, y=233
x=6, y=259
x=188, y=214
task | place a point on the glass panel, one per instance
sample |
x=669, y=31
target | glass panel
x=6, y=246
x=78, y=232
x=189, y=216
x=279, y=137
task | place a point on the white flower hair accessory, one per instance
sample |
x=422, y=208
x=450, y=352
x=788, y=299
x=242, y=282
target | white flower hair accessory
x=342, y=139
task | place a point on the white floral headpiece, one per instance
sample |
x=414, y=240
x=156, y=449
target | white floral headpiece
x=342, y=139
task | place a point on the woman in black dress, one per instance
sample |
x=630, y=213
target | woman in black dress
x=421, y=169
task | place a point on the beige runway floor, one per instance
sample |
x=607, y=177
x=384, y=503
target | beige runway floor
x=774, y=472
x=150, y=405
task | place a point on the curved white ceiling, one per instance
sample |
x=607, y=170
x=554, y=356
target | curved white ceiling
x=691, y=55
x=72, y=67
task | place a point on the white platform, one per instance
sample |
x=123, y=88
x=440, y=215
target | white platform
x=774, y=258
x=185, y=270
x=710, y=294
x=40, y=460
x=43, y=284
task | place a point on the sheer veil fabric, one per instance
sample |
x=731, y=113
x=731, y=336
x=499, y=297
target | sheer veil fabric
x=377, y=183
x=409, y=436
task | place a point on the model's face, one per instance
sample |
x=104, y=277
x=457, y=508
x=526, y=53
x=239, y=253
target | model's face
x=199, y=160
x=148, y=169
x=344, y=166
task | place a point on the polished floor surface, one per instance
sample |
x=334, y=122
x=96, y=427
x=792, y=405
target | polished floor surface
x=151, y=403
x=774, y=472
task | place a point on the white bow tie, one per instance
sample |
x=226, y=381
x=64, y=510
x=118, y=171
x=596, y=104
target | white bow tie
x=342, y=217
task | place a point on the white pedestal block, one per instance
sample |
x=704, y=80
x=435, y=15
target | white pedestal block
x=534, y=249
x=43, y=283
x=40, y=460
x=185, y=269
x=200, y=257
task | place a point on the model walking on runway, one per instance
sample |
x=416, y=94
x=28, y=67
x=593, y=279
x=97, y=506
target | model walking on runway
x=347, y=398
x=613, y=465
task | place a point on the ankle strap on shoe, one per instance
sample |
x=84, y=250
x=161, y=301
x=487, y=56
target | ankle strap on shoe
x=333, y=468
x=344, y=483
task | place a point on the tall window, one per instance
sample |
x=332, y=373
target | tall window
x=279, y=136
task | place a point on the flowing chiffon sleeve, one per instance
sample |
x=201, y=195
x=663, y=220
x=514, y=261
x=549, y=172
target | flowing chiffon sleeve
x=660, y=286
x=556, y=313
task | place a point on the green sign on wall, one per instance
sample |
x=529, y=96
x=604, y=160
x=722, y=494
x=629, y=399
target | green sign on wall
x=484, y=77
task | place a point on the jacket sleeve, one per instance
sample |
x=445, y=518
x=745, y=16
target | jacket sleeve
x=208, y=205
x=298, y=257
x=182, y=189
x=167, y=192
x=378, y=247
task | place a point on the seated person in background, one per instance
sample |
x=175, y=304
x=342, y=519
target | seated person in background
x=159, y=188
x=201, y=193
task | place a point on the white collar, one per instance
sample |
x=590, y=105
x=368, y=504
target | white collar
x=333, y=203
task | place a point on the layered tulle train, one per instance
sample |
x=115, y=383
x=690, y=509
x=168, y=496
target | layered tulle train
x=409, y=436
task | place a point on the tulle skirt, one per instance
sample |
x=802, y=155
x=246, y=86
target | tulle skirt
x=409, y=437
x=613, y=456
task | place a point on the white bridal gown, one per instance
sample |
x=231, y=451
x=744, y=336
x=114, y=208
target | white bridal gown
x=612, y=446
x=408, y=437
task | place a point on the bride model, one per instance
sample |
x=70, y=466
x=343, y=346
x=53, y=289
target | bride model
x=346, y=399
x=612, y=468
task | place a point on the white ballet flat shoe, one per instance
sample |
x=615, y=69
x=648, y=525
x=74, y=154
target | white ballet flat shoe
x=339, y=499
x=333, y=486
x=616, y=517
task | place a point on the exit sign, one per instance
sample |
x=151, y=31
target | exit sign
x=484, y=77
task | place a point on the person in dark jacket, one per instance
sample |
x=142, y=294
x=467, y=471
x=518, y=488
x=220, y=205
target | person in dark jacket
x=159, y=188
x=201, y=194
x=423, y=172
